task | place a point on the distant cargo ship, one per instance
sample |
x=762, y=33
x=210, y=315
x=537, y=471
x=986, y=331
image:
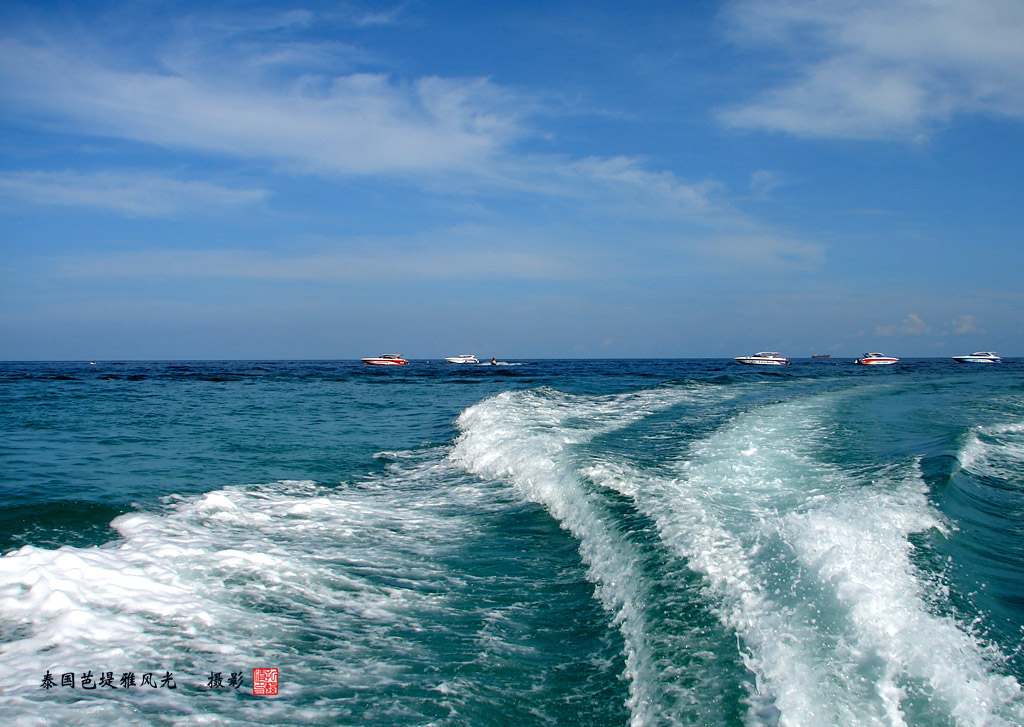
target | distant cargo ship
x=821, y=355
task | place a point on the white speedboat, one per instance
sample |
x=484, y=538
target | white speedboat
x=979, y=357
x=763, y=358
x=385, y=359
x=467, y=358
x=876, y=359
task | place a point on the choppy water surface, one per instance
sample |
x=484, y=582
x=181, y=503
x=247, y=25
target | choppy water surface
x=560, y=542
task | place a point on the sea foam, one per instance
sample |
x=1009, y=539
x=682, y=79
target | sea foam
x=811, y=566
x=535, y=440
x=326, y=585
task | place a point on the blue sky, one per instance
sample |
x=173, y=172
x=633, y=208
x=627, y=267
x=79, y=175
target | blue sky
x=518, y=179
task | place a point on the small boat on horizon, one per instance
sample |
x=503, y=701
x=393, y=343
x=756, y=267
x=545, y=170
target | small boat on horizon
x=385, y=359
x=979, y=357
x=821, y=355
x=462, y=358
x=763, y=358
x=876, y=359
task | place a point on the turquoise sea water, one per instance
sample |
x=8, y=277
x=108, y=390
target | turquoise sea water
x=553, y=543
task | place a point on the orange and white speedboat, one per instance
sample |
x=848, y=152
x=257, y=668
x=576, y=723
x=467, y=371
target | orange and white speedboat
x=385, y=359
x=876, y=359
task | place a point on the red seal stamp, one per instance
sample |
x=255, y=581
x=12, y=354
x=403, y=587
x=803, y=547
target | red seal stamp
x=264, y=682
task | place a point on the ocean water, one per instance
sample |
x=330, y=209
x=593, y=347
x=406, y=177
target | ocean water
x=638, y=543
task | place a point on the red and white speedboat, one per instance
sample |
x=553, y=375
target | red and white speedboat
x=763, y=358
x=385, y=359
x=876, y=359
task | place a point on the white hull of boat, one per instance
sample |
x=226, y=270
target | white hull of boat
x=876, y=359
x=763, y=358
x=466, y=358
x=385, y=360
x=979, y=357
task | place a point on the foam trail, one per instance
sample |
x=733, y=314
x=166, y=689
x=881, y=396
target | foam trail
x=330, y=586
x=873, y=579
x=531, y=438
x=813, y=571
x=995, y=451
x=986, y=497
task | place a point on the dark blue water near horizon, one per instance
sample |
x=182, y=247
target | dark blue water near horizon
x=600, y=542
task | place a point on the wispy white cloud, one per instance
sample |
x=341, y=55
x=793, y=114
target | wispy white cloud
x=280, y=103
x=139, y=194
x=354, y=124
x=369, y=18
x=964, y=324
x=766, y=253
x=359, y=262
x=763, y=182
x=286, y=105
x=912, y=325
x=883, y=68
x=706, y=224
x=625, y=185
